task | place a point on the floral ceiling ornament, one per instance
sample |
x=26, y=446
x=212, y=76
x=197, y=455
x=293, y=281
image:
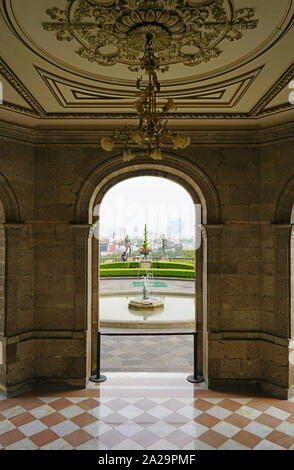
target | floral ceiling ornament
x=183, y=31
x=149, y=35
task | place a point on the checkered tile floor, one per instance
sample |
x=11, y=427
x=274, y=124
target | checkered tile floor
x=146, y=411
x=169, y=354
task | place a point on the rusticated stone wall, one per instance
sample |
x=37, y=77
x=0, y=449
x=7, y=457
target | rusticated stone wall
x=16, y=265
x=244, y=297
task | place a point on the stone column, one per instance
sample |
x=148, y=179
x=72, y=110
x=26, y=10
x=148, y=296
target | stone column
x=85, y=305
x=2, y=279
x=95, y=302
x=2, y=311
x=211, y=239
x=61, y=294
x=16, y=354
x=277, y=351
x=234, y=307
x=199, y=304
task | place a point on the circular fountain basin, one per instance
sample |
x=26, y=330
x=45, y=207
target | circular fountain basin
x=152, y=303
x=177, y=312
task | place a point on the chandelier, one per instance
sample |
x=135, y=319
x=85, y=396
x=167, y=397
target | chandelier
x=151, y=132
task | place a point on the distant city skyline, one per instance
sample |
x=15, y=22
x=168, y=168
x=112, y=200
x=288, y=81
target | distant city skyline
x=163, y=205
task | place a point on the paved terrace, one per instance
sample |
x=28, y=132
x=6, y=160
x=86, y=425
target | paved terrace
x=146, y=354
x=162, y=286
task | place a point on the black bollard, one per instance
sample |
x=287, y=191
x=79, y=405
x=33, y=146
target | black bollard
x=98, y=377
x=195, y=379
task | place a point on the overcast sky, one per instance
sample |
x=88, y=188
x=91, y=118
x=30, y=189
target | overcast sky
x=151, y=200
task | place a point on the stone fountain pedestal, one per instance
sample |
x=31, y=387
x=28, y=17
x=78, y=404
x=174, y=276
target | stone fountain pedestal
x=146, y=302
x=145, y=264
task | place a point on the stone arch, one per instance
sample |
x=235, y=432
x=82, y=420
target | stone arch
x=2, y=270
x=173, y=167
x=9, y=213
x=11, y=210
x=284, y=209
x=92, y=191
x=284, y=220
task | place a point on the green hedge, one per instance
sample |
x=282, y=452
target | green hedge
x=171, y=265
x=155, y=264
x=179, y=273
x=122, y=264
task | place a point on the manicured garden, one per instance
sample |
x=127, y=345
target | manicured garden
x=159, y=269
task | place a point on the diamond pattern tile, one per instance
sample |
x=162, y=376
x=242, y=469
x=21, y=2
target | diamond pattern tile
x=146, y=412
x=173, y=353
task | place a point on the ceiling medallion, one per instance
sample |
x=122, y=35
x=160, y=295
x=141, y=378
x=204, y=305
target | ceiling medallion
x=151, y=131
x=183, y=31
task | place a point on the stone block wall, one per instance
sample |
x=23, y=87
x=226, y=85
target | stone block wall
x=45, y=329
x=16, y=262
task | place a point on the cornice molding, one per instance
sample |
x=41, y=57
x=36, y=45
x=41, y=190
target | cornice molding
x=91, y=137
x=35, y=110
x=34, y=107
x=259, y=108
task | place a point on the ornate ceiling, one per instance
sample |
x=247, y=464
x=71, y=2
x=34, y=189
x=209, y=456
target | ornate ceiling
x=226, y=63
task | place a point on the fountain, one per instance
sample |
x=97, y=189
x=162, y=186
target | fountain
x=146, y=302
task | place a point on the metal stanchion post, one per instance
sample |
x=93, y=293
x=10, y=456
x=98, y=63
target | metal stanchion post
x=195, y=379
x=98, y=377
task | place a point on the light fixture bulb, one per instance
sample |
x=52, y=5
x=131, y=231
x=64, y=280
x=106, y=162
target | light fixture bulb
x=137, y=137
x=156, y=154
x=107, y=143
x=169, y=106
x=128, y=155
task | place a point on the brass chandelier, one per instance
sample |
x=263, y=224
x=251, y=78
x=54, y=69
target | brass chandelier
x=151, y=133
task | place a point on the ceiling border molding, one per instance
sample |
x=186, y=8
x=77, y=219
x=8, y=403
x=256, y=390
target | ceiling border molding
x=90, y=138
x=277, y=109
x=18, y=109
x=38, y=112
x=52, y=82
x=20, y=88
x=278, y=86
x=257, y=112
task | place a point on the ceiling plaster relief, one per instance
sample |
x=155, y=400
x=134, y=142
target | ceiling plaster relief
x=184, y=31
x=215, y=54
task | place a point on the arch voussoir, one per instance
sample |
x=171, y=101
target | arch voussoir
x=11, y=210
x=173, y=167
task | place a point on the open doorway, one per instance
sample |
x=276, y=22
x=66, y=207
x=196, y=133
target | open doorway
x=201, y=190
x=147, y=275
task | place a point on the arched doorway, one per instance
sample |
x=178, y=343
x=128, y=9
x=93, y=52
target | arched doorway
x=2, y=278
x=201, y=190
x=165, y=210
x=291, y=352
x=284, y=275
x=9, y=223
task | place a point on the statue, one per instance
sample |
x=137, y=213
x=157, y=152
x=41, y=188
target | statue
x=145, y=288
x=128, y=244
x=164, y=242
x=128, y=249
